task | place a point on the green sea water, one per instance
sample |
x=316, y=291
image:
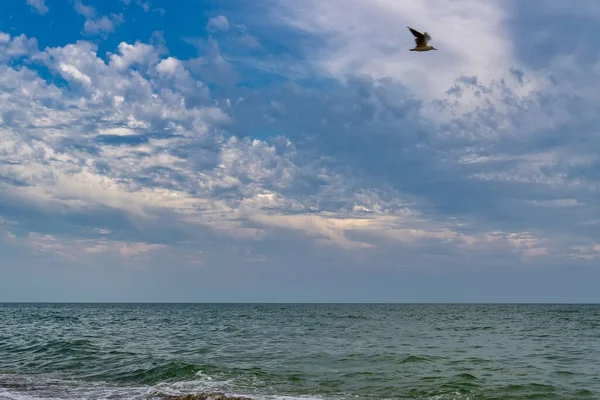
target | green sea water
x=273, y=351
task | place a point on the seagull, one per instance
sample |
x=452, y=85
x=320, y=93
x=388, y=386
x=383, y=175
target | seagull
x=421, y=40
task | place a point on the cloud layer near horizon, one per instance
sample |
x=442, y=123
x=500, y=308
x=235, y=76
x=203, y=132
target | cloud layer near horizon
x=316, y=138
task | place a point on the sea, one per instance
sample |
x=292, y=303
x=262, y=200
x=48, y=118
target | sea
x=299, y=351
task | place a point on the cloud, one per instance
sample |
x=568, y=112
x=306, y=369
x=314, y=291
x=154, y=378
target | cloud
x=321, y=141
x=372, y=38
x=39, y=6
x=6, y=235
x=590, y=252
x=231, y=33
x=218, y=23
x=86, y=11
x=335, y=229
x=144, y=4
x=15, y=47
x=104, y=24
x=95, y=24
x=83, y=250
x=169, y=66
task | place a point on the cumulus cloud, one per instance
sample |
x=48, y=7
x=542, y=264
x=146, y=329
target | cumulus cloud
x=159, y=154
x=95, y=24
x=104, y=24
x=86, y=11
x=219, y=23
x=144, y=4
x=39, y=6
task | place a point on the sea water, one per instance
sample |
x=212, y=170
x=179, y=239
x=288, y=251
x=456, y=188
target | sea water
x=299, y=351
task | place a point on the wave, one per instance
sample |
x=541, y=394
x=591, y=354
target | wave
x=203, y=387
x=60, y=347
x=460, y=387
x=205, y=396
x=419, y=359
x=170, y=371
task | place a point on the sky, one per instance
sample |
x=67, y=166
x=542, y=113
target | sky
x=296, y=151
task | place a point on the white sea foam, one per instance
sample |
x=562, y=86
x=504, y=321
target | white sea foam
x=16, y=387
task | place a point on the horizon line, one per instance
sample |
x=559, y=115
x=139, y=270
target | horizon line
x=302, y=303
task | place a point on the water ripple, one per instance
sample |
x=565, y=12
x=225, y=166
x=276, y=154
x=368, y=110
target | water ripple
x=159, y=351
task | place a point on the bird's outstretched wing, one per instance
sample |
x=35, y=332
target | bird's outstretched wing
x=415, y=32
x=420, y=38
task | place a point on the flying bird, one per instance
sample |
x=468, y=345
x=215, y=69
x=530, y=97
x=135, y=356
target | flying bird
x=421, y=40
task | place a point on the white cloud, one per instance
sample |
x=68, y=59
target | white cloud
x=125, y=249
x=173, y=152
x=39, y=6
x=590, y=252
x=218, y=23
x=133, y=55
x=86, y=11
x=169, y=65
x=144, y=4
x=15, y=47
x=49, y=244
x=82, y=249
x=95, y=24
x=406, y=228
x=371, y=38
x=104, y=24
x=332, y=229
x=118, y=131
x=557, y=203
x=6, y=235
x=73, y=72
x=523, y=242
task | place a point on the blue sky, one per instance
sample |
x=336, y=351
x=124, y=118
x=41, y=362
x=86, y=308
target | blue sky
x=223, y=150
